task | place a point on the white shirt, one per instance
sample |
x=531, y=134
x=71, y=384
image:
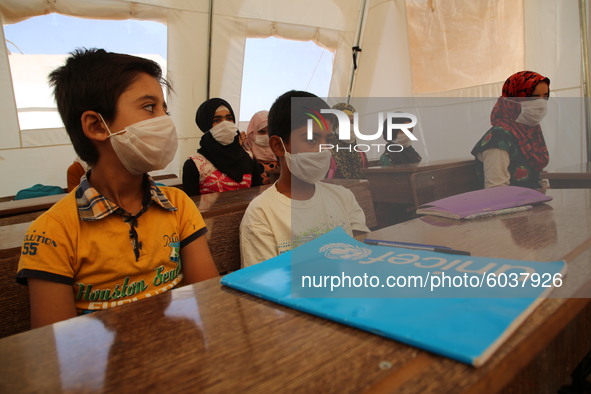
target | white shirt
x=274, y=223
x=496, y=167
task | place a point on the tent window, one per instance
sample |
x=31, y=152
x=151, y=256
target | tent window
x=463, y=43
x=39, y=45
x=272, y=66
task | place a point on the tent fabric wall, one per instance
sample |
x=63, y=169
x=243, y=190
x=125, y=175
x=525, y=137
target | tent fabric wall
x=384, y=64
x=9, y=136
x=552, y=47
x=235, y=21
x=188, y=63
x=187, y=68
x=489, y=31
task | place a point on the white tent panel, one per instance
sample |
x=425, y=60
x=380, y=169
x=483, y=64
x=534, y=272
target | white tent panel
x=384, y=63
x=553, y=41
x=25, y=167
x=9, y=127
x=187, y=69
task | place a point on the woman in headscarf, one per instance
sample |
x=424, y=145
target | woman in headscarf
x=513, y=151
x=257, y=143
x=345, y=162
x=221, y=164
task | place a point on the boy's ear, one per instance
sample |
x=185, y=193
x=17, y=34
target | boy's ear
x=276, y=145
x=93, y=127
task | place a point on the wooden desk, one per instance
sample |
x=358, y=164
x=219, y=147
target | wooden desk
x=572, y=177
x=400, y=189
x=14, y=207
x=208, y=338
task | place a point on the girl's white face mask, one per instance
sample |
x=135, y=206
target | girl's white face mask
x=224, y=132
x=532, y=111
x=145, y=146
x=308, y=167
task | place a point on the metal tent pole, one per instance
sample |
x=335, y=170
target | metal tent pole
x=586, y=72
x=209, y=40
x=356, y=48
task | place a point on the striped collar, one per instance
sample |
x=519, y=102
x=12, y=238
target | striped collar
x=94, y=206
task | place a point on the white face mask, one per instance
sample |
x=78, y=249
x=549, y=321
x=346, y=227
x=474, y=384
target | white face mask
x=224, y=132
x=309, y=167
x=532, y=111
x=261, y=140
x=145, y=146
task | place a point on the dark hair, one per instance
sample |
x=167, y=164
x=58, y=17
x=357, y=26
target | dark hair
x=286, y=116
x=92, y=80
x=206, y=111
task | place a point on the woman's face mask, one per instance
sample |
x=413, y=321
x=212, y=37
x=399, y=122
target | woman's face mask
x=224, y=132
x=308, y=167
x=261, y=140
x=532, y=112
x=145, y=146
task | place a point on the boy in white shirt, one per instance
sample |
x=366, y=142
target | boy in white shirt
x=298, y=207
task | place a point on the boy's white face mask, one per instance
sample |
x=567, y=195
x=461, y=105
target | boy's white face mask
x=145, y=146
x=224, y=132
x=308, y=167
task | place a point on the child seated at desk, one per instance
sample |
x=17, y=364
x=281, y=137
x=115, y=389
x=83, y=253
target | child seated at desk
x=513, y=151
x=298, y=207
x=399, y=149
x=117, y=237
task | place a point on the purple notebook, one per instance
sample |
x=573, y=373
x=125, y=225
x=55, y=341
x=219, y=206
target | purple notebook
x=486, y=202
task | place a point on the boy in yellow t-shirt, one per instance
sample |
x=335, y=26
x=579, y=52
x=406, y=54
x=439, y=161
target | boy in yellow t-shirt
x=117, y=237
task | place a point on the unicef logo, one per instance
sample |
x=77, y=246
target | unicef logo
x=339, y=251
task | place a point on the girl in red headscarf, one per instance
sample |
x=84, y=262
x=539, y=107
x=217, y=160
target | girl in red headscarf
x=513, y=151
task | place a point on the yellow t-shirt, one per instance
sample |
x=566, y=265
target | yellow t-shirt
x=96, y=256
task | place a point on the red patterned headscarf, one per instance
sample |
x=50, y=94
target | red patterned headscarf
x=530, y=138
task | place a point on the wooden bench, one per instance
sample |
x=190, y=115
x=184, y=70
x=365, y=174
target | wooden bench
x=222, y=213
x=14, y=298
x=427, y=186
x=21, y=211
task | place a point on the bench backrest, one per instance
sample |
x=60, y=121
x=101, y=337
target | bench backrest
x=14, y=298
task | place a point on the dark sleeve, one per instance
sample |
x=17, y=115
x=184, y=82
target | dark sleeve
x=190, y=178
x=257, y=179
x=412, y=155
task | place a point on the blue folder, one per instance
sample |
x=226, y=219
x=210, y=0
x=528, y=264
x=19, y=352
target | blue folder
x=464, y=323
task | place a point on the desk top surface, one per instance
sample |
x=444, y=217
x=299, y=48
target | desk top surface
x=418, y=167
x=206, y=337
x=577, y=171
